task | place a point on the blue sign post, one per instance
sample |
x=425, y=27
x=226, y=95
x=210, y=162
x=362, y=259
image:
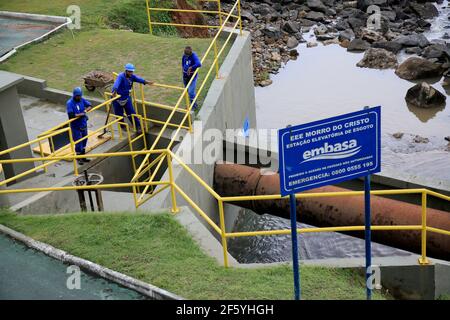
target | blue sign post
x=327, y=152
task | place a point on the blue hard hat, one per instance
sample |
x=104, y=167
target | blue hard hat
x=129, y=67
x=77, y=92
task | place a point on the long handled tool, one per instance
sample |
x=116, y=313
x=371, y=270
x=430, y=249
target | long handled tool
x=105, y=130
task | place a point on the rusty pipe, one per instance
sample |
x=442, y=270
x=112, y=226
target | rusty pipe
x=239, y=180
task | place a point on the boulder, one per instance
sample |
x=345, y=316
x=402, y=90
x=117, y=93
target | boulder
x=358, y=45
x=425, y=11
x=415, y=68
x=391, y=46
x=315, y=16
x=292, y=42
x=423, y=95
x=364, y=4
x=291, y=27
x=413, y=50
x=316, y=5
x=347, y=34
x=436, y=51
x=371, y=35
x=413, y=40
x=376, y=58
x=271, y=32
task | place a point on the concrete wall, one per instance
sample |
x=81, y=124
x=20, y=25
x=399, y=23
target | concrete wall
x=38, y=88
x=229, y=101
x=12, y=124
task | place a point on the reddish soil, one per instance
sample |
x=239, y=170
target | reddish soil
x=189, y=18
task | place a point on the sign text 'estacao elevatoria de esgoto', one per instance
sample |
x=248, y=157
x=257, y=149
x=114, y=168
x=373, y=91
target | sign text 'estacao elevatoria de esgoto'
x=329, y=151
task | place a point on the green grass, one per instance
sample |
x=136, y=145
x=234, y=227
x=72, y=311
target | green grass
x=157, y=250
x=63, y=60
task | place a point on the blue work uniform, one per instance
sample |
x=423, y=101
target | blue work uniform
x=79, y=125
x=123, y=86
x=194, y=63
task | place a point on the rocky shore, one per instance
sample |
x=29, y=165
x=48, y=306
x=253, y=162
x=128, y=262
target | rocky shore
x=278, y=26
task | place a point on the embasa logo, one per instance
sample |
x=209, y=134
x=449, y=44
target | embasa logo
x=332, y=151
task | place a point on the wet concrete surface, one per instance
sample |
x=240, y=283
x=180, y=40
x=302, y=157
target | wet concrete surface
x=29, y=274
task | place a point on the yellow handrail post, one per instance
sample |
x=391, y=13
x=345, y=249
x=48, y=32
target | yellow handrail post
x=174, y=209
x=72, y=148
x=144, y=109
x=149, y=18
x=216, y=63
x=42, y=155
x=219, y=8
x=188, y=106
x=223, y=233
x=423, y=259
x=240, y=18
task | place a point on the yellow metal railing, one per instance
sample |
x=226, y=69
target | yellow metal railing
x=170, y=157
x=221, y=14
x=212, y=48
x=150, y=168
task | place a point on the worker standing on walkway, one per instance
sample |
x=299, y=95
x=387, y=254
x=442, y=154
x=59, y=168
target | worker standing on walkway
x=76, y=109
x=190, y=62
x=123, y=86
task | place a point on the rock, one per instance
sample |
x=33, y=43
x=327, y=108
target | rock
x=331, y=41
x=265, y=83
x=436, y=51
x=276, y=56
x=291, y=27
x=447, y=138
x=390, y=15
x=342, y=25
x=415, y=68
x=364, y=4
x=419, y=139
x=398, y=135
x=423, y=95
x=306, y=22
x=293, y=53
x=246, y=15
x=312, y=44
x=425, y=11
x=376, y=58
x=391, y=46
x=263, y=9
x=315, y=16
x=316, y=5
x=413, y=40
x=371, y=35
x=292, y=42
x=356, y=23
x=347, y=34
x=358, y=45
x=272, y=32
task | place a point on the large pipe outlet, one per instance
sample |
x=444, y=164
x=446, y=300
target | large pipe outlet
x=239, y=180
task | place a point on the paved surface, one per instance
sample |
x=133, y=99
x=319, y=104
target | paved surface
x=29, y=274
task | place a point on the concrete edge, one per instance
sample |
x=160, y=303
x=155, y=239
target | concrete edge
x=146, y=289
x=63, y=22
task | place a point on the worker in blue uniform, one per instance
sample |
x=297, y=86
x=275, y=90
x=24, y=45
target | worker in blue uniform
x=123, y=86
x=77, y=107
x=190, y=62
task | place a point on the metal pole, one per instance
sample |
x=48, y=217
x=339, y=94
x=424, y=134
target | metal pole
x=367, y=232
x=423, y=258
x=295, y=262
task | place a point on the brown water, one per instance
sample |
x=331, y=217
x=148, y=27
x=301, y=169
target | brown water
x=325, y=82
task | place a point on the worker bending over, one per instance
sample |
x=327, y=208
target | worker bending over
x=190, y=62
x=123, y=86
x=76, y=109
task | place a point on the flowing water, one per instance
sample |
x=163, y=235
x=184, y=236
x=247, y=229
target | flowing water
x=325, y=82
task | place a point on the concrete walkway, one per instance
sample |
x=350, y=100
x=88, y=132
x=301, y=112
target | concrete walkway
x=28, y=274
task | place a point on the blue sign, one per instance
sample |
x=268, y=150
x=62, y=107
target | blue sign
x=329, y=151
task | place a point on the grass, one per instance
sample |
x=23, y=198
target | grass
x=63, y=60
x=158, y=250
